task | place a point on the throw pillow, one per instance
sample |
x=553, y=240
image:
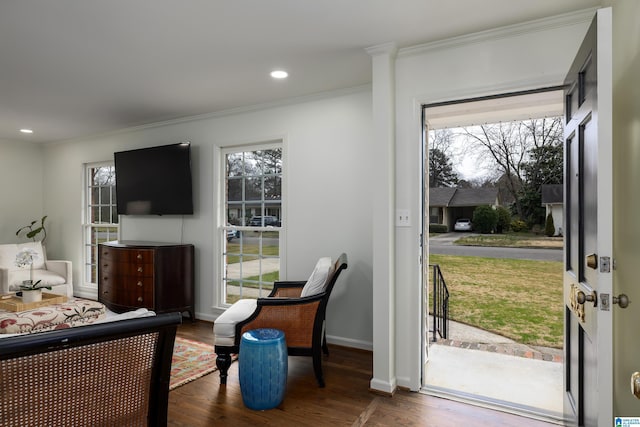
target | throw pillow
x=315, y=283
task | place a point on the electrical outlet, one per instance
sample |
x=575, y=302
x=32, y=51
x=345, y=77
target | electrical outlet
x=402, y=218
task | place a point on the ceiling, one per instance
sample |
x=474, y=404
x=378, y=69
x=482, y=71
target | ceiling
x=535, y=105
x=74, y=68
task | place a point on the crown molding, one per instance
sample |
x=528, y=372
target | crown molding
x=543, y=24
x=390, y=49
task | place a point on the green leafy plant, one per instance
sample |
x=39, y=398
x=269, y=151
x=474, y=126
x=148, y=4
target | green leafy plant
x=29, y=285
x=438, y=228
x=33, y=229
x=518, y=225
x=485, y=219
x=504, y=219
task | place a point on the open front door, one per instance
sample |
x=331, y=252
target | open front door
x=589, y=231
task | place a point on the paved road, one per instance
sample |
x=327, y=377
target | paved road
x=443, y=245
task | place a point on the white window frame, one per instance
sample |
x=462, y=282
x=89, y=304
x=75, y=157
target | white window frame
x=221, y=234
x=88, y=225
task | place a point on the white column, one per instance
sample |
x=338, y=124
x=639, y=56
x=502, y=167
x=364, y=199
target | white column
x=383, y=181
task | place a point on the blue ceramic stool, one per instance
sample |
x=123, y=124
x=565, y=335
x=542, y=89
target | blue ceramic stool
x=263, y=368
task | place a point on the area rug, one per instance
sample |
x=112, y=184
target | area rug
x=191, y=360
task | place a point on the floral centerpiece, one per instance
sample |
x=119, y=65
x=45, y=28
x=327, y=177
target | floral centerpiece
x=31, y=291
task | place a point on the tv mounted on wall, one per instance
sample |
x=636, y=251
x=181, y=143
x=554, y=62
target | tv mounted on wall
x=154, y=181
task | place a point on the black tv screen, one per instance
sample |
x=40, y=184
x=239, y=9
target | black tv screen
x=154, y=181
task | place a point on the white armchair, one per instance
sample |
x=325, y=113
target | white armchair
x=57, y=274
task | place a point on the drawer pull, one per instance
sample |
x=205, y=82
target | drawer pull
x=139, y=256
x=139, y=299
x=139, y=283
x=139, y=269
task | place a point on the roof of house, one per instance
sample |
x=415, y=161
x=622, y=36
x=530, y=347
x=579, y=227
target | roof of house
x=552, y=194
x=458, y=197
x=441, y=196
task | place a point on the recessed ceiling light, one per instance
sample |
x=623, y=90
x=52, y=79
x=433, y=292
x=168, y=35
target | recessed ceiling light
x=279, y=74
x=26, y=130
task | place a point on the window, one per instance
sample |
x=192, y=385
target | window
x=100, y=218
x=253, y=210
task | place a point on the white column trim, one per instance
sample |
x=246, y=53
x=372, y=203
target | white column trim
x=383, y=232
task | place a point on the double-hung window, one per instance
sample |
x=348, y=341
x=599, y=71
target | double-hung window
x=253, y=212
x=100, y=215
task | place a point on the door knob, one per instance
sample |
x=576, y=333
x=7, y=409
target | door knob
x=581, y=298
x=592, y=261
x=635, y=384
x=622, y=300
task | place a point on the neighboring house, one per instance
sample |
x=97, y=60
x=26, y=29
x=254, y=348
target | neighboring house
x=552, y=200
x=446, y=205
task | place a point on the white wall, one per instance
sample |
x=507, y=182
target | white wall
x=626, y=200
x=528, y=56
x=327, y=190
x=21, y=188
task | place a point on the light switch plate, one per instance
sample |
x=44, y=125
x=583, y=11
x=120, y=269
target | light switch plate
x=402, y=218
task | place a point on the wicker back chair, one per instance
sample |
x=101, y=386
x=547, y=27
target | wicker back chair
x=300, y=318
x=113, y=374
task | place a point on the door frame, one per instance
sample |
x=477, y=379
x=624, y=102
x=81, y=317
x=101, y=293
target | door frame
x=425, y=277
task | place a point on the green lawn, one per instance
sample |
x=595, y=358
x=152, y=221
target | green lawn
x=248, y=250
x=519, y=299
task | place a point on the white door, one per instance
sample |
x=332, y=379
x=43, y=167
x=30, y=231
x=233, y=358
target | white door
x=589, y=231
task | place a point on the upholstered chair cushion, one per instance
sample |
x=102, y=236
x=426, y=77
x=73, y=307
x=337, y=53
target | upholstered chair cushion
x=224, y=327
x=46, y=277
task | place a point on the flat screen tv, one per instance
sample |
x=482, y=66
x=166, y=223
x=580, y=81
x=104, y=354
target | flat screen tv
x=154, y=181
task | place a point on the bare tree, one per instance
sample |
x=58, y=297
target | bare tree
x=508, y=146
x=441, y=140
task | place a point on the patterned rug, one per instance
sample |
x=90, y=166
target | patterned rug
x=191, y=360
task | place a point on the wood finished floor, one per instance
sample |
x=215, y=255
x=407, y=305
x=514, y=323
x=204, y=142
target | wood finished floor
x=345, y=401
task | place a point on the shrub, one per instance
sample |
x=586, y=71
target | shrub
x=438, y=228
x=549, y=227
x=504, y=219
x=518, y=225
x=485, y=219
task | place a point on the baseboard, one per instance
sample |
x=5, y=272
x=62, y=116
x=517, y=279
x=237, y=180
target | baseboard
x=382, y=387
x=348, y=342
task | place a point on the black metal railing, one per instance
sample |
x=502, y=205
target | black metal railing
x=440, y=304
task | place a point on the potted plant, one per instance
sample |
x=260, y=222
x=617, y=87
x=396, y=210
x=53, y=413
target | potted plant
x=31, y=291
x=32, y=232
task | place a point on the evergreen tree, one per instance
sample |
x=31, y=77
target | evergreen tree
x=441, y=173
x=544, y=167
x=549, y=228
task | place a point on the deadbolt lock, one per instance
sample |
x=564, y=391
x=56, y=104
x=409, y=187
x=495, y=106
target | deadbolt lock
x=592, y=261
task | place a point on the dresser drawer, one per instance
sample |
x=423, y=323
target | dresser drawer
x=125, y=255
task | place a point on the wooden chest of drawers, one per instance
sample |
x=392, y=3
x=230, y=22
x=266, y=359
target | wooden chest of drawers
x=152, y=275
